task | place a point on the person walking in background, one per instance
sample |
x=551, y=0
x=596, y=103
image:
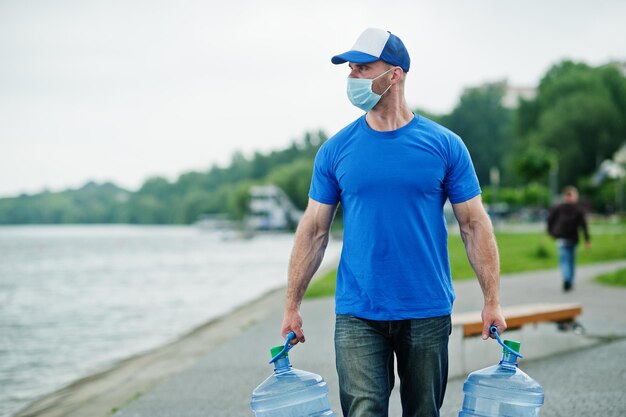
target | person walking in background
x=565, y=221
x=392, y=171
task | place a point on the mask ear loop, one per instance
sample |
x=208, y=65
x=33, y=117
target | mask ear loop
x=383, y=73
x=387, y=89
x=378, y=76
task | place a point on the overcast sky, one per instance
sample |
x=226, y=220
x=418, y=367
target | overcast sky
x=121, y=90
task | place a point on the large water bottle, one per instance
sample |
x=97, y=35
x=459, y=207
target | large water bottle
x=502, y=390
x=290, y=392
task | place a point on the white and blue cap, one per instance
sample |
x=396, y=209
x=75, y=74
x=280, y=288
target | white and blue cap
x=376, y=44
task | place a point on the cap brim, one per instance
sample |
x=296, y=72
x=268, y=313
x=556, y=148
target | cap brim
x=354, y=56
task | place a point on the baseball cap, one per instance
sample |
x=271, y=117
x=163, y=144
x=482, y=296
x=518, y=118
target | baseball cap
x=376, y=44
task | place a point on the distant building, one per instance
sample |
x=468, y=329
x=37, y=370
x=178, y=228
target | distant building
x=611, y=168
x=271, y=209
x=512, y=93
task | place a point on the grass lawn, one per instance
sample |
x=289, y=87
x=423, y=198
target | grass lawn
x=617, y=278
x=518, y=252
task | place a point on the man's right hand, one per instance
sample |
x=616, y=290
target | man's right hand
x=292, y=322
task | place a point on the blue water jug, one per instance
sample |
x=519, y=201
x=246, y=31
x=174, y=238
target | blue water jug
x=290, y=392
x=502, y=390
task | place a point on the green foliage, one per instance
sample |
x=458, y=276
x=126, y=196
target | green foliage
x=323, y=286
x=532, y=195
x=437, y=118
x=534, y=164
x=536, y=195
x=238, y=200
x=580, y=113
x=196, y=202
x=577, y=120
x=603, y=198
x=542, y=251
x=91, y=203
x=616, y=279
x=159, y=201
x=485, y=126
x=294, y=179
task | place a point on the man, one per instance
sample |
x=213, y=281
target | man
x=392, y=172
x=565, y=220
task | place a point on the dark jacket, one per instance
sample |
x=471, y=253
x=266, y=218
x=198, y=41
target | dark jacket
x=565, y=220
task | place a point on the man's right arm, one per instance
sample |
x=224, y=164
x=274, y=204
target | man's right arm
x=307, y=254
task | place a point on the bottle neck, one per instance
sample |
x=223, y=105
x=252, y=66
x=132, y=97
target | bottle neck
x=508, y=361
x=282, y=365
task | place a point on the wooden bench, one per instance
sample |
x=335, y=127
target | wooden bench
x=517, y=316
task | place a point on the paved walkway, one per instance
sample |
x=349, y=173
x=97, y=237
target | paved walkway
x=586, y=378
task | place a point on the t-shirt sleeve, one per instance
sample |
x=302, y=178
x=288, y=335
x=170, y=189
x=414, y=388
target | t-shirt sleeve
x=461, y=182
x=324, y=187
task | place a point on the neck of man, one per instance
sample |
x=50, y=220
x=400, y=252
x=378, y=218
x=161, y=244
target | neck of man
x=391, y=112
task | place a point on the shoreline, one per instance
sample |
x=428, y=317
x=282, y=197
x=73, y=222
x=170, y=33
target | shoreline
x=103, y=393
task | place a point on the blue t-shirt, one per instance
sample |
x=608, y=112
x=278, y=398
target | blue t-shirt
x=392, y=187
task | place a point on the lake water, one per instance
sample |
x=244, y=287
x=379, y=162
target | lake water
x=76, y=299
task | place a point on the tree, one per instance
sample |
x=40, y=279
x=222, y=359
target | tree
x=534, y=164
x=485, y=126
x=294, y=179
x=580, y=113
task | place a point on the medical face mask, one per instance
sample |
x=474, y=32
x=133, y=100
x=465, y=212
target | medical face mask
x=360, y=92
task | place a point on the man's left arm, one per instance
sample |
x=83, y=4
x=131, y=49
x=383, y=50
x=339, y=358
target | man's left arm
x=482, y=252
x=584, y=227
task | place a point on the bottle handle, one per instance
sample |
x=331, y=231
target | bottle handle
x=494, y=331
x=287, y=348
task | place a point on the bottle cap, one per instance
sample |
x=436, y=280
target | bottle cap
x=513, y=345
x=276, y=350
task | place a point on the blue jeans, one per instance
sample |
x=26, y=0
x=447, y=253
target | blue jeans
x=365, y=350
x=567, y=259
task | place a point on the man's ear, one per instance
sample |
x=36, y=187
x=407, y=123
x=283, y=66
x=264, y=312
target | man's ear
x=398, y=75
